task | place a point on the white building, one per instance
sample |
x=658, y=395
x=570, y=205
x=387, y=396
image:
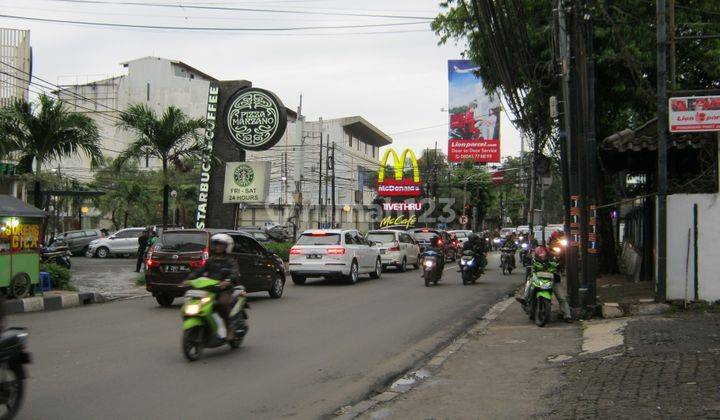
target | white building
x=295, y=188
x=15, y=71
x=156, y=82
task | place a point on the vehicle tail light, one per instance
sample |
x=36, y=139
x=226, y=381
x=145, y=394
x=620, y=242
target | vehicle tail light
x=336, y=251
x=201, y=262
x=440, y=242
x=149, y=262
x=395, y=247
x=295, y=251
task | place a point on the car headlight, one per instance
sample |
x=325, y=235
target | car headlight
x=192, y=309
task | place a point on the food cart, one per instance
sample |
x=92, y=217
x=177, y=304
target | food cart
x=20, y=229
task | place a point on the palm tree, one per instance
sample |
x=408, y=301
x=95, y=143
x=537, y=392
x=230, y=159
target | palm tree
x=51, y=133
x=172, y=138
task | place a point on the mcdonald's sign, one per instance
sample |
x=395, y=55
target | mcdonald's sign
x=397, y=186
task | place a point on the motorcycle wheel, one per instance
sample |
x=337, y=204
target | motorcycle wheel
x=65, y=262
x=427, y=279
x=12, y=389
x=192, y=343
x=466, y=278
x=542, y=312
x=504, y=268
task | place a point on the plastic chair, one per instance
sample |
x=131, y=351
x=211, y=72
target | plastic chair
x=45, y=283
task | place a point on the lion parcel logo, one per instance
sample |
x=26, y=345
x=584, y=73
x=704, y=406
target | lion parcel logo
x=255, y=119
x=397, y=186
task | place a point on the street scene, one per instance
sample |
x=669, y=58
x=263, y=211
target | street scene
x=325, y=209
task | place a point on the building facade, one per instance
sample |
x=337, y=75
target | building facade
x=156, y=82
x=301, y=190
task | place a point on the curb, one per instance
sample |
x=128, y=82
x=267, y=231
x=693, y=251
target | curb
x=52, y=303
x=414, y=378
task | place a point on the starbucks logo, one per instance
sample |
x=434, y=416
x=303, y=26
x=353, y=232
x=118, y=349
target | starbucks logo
x=256, y=119
x=244, y=175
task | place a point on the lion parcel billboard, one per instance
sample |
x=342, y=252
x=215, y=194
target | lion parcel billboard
x=474, y=131
x=398, y=185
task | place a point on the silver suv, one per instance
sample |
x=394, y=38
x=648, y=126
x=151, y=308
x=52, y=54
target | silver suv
x=78, y=240
x=122, y=242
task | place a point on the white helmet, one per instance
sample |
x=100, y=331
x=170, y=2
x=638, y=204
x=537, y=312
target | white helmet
x=223, y=238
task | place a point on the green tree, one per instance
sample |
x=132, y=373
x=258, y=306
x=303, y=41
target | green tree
x=172, y=138
x=473, y=186
x=47, y=132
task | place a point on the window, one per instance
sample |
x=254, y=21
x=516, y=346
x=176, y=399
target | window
x=366, y=145
x=123, y=234
x=382, y=237
x=183, y=241
x=245, y=245
x=349, y=239
x=147, y=91
x=350, y=140
x=319, y=239
x=404, y=237
x=373, y=151
x=91, y=233
x=74, y=235
x=359, y=239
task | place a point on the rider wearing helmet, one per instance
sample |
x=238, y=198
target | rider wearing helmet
x=222, y=267
x=477, y=245
x=543, y=258
x=437, y=246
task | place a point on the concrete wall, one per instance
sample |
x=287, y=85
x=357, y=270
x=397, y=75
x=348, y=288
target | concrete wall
x=680, y=220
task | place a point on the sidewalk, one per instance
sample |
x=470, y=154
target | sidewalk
x=500, y=372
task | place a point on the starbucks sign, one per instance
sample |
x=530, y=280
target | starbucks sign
x=255, y=119
x=246, y=182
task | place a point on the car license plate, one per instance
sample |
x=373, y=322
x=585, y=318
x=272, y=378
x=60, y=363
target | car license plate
x=314, y=256
x=176, y=268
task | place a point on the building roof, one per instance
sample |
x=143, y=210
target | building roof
x=362, y=128
x=644, y=138
x=13, y=207
x=177, y=63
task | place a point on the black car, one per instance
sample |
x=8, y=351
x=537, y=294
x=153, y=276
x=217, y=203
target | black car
x=177, y=252
x=257, y=234
x=424, y=235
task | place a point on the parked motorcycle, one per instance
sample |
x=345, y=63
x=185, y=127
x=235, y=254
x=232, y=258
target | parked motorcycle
x=432, y=273
x=13, y=357
x=542, y=283
x=202, y=326
x=507, y=261
x=57, y=253
x=470, y=267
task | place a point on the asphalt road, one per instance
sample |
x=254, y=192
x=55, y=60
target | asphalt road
x=322, y=346
x=113, y=277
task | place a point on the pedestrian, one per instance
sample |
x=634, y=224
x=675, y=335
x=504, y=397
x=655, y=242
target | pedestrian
x=142, y=245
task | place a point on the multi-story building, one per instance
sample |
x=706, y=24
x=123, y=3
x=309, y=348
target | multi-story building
x=156, y=82
x=299, y=192
x=15, y=73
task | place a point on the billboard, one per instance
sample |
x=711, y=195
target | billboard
x=246, y=182
x=694, y=114
x=397, y=186
x=474, y=130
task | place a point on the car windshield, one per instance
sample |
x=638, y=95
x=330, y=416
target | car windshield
x=504, y=232
x=319, y=239
x=425, y=236
x=184, y=241
x=382, y=237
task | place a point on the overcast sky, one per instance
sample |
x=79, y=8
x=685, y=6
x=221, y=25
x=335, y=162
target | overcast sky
x=397, y=81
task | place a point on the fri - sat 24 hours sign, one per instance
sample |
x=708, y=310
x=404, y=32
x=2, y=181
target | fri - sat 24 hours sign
x=246, y=182
x=694, y=114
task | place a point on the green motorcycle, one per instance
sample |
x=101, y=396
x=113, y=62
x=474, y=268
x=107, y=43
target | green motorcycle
x=202, y=326
x=542, y=282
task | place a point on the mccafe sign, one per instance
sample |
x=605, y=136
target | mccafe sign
x=397, y=186
x=255, y=119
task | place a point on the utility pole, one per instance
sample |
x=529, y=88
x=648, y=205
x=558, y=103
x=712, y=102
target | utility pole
x=592, y=166
x=332, y=162
x=435, y=181
x=662, y=126
x=320, y=173
x=327, y=176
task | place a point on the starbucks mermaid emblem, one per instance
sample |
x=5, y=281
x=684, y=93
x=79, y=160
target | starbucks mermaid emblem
x=244, y=175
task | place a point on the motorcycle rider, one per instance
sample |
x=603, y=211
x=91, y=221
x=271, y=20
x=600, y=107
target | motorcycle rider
x=510, y=247
x=542, y=256
x=436, y=246
x=477, y=245
x=220, y=266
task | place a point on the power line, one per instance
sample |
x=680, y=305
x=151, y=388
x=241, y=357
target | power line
x=205, y=29
x=245, y=9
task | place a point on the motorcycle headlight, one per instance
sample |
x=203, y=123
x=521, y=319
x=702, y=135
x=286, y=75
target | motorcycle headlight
x=428, y=263
x=192, y=309
x=556, y=249
x=563, y=242
x=524, y=246
x=496, y=240
x=462, y=262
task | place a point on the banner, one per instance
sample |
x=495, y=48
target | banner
x=694, y=114
x=246, y=182
x=474, y=131
x=396, y=186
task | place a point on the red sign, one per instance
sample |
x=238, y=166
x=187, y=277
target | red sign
x=498, y=177
x=478, y=150
x=694, y=114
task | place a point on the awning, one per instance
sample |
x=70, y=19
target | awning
x=12, y=207
x=361, y=128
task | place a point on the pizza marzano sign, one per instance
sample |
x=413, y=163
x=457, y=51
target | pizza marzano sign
x=255, y=119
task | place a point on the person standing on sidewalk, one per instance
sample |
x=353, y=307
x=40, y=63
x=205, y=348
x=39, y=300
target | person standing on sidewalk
x=142, y=245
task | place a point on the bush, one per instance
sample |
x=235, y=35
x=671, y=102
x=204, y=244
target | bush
x=280, y=248
x=140, y=281
x=60, y=276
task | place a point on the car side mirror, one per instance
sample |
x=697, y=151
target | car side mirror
x=111, y=237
